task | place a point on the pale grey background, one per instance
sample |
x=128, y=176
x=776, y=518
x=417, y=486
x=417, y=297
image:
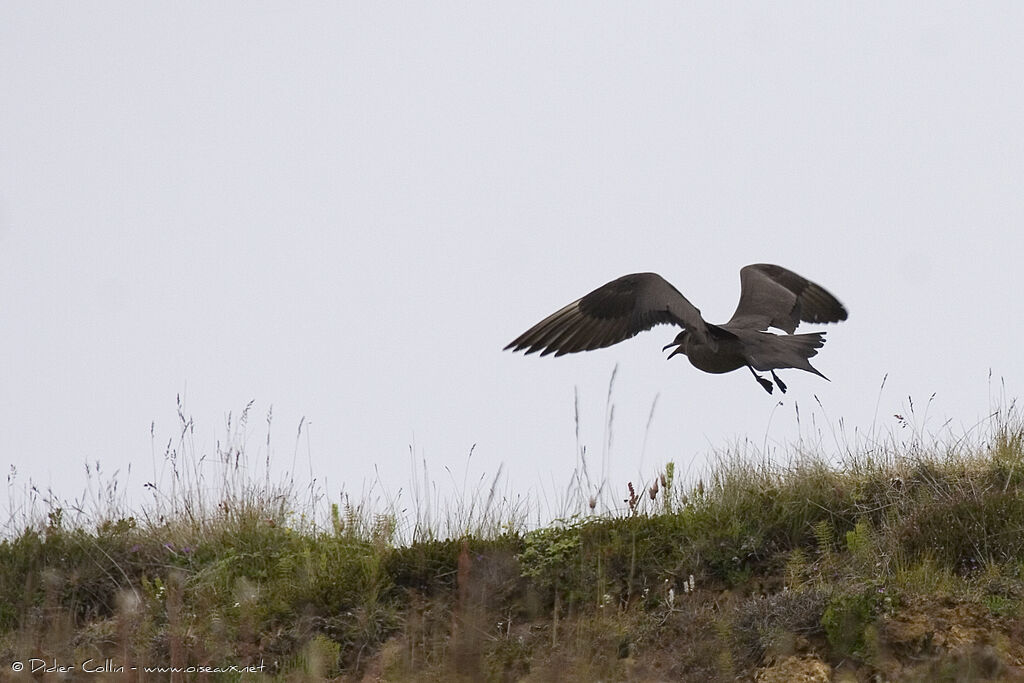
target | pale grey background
x=346, y=210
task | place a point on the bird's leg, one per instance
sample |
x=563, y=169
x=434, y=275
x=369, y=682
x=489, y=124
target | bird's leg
x=778, y=381
x=761, y=380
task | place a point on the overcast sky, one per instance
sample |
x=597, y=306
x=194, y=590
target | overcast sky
x=346, y=210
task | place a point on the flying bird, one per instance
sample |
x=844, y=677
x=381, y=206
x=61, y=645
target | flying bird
x=770, y=296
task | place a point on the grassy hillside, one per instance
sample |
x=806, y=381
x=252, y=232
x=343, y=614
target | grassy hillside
x=902, y=561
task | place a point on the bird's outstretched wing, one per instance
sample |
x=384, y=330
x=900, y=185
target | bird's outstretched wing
x=611, y=313
x=772, y=296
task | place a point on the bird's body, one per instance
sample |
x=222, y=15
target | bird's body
x=725, y=356
x=770, y=296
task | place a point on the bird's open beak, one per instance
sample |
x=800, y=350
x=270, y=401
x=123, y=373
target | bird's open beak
x=678, y=349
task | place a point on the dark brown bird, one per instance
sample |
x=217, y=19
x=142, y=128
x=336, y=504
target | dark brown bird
x=770, y=296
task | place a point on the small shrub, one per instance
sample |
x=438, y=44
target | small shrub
x=846, y=620
x=769, y=624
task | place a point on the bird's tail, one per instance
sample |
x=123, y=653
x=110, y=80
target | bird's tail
x=793, y=351
x=806, y=345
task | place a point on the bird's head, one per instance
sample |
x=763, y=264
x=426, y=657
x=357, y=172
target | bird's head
x=679, y=343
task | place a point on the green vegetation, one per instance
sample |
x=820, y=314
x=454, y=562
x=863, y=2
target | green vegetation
x=902, y=560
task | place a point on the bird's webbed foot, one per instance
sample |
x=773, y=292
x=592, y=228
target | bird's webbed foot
x=782, y=385
x=765, y=384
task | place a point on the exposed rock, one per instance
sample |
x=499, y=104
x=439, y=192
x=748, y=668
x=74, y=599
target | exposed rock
x=795, y=669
